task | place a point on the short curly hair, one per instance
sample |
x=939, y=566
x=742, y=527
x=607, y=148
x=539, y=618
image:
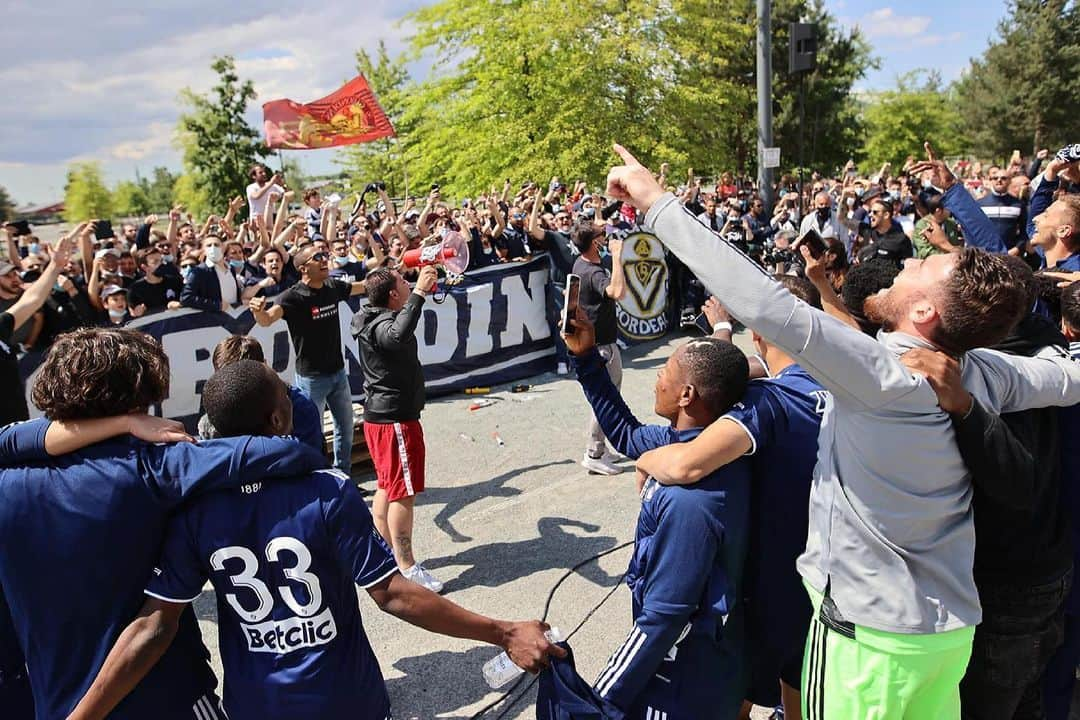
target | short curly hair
x=99, y=372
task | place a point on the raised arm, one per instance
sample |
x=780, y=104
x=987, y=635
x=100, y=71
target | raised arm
x=259, y=192
x=1012, y=383
x=830, y=301
x=389, y=211
x=534, y=227
x=855, y=367
x=283, y=211
x=627, y=434
x=616, y=289
x=496, y=212
x=978, y=228
x=393, y=334
x=12, y=249
x=35, y=296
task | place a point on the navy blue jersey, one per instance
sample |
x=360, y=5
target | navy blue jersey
x=307, y=419
x=284, y=559
x=81, y=534
x=685, y=575
x=782, y=417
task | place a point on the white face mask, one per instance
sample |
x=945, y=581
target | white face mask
x=116, y=314
x=214, y=255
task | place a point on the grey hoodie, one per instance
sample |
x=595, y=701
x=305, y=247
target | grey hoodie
x=891, y=529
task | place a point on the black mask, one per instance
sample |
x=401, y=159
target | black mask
x=823, y=213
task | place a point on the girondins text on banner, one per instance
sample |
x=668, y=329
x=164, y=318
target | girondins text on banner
x=347, y=116
x=492, y=329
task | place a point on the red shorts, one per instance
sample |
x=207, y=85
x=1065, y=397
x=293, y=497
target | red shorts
x=397, y=450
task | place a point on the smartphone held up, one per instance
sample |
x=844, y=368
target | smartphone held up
x=570, y=303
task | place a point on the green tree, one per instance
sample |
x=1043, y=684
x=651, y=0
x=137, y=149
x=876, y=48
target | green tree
x=218, y=144
x=899, y=121
x=187, y=192
x=713, y=98
x=294, y=175
x=7, y=205
x=85, y=193
x=535, y=89
x=129, y=199
x=382, y=159
x=1021, y=94
x=158, y=189
x=547, y=92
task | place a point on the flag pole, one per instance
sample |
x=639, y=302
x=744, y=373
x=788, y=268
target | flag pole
x=404, y=169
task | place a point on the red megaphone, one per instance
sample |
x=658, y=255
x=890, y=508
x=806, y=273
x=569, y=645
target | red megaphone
x=452, y=253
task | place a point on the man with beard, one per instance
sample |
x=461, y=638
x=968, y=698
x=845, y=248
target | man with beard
x=888, y=561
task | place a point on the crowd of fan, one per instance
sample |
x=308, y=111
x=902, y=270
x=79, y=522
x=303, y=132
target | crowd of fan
x=911, y=426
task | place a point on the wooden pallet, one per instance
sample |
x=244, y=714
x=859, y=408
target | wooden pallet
x=361, y=457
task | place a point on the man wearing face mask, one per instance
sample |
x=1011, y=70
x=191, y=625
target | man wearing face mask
x=212, y=285
x=602, y=285
x=342, y=266
x=824, y=221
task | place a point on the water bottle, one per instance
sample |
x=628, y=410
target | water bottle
x=500, y=669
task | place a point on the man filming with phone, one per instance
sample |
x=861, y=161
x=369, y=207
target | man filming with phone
x=600, y=288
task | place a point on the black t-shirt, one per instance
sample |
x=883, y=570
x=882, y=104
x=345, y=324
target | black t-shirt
x=479, y=256
x=312, y=316
x=557, y=245
x=892, y=245
x=514, y=241
x=595, y=301
x=13, y=398
x=155, y=296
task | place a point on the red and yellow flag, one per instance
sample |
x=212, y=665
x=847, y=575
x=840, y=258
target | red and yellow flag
x=349, y=115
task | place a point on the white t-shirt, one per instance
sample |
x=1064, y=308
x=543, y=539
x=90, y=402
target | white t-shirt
x=256, y=206
x=227, y=281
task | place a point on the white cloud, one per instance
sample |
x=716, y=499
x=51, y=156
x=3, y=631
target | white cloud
x=117, y=101
x=158, y=139
x=885, y=23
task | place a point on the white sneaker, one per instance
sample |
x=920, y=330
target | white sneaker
x=562, y=369
x=600, y=465
x=420, y=576
x=612, y=458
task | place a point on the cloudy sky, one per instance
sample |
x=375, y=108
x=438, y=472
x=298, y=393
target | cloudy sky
x=100, y=80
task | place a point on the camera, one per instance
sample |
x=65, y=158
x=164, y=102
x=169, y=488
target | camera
x=375, y=187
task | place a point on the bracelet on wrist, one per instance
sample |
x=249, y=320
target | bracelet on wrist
x=722, y=325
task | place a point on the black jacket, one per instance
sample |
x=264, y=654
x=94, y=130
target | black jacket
x=202, y=290
x=393, y=377
x=1022, y=531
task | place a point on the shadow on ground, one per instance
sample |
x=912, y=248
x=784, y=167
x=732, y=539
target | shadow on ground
x=456, y=499
x=496, y=564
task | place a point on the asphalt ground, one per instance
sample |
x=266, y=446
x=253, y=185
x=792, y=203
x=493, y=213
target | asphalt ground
x=500, y=525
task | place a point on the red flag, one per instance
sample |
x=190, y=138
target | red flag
x=348, y=115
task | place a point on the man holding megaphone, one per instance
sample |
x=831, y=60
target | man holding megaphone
x=394, y=398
